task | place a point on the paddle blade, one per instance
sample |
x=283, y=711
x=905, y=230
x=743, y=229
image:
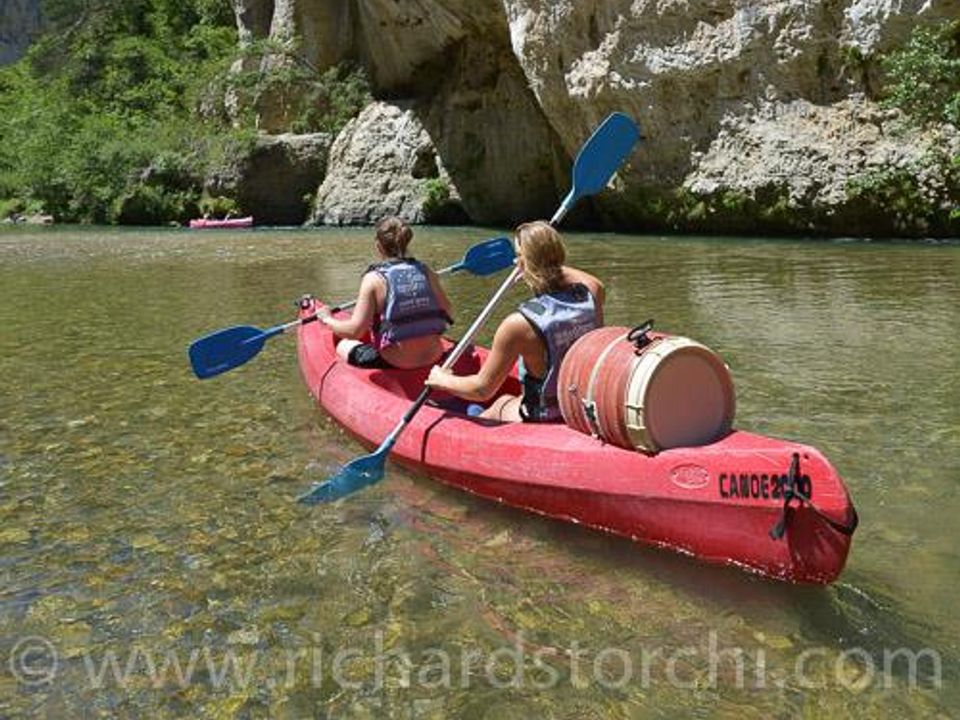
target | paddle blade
x=224, y=350
x=353, y=476
x=602, y=154
x=489, y=257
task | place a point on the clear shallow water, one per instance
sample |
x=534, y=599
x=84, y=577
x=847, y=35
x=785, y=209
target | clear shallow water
x=148, y=518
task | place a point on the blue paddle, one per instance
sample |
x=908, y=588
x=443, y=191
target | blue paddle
x=596, y=162
x=599, y=159
x=226, y=349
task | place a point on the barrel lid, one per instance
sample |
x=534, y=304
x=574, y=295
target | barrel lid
x=680, y=395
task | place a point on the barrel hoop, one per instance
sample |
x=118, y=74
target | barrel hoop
x=647, y=368
x=589, y=404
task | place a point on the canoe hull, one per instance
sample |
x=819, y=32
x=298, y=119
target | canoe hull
x=209, y=224
x=717, y=502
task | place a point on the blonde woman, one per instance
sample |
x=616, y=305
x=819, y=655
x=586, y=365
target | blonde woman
x=400, y=303
x=568, y=303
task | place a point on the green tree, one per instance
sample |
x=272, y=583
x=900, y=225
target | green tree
x=923, y=77
x=110, y=88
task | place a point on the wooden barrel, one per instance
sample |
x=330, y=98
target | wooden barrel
x=650, y=392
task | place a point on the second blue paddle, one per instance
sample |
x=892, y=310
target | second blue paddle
x=231, y=347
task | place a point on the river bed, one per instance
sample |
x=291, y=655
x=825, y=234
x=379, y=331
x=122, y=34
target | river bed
x=154, y=563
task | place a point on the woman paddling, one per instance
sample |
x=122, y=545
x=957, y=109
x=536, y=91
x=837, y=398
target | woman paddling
x=400, y=303
x=568, y=304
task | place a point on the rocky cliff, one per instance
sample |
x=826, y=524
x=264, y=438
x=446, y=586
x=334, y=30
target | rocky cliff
x=760, y=115
x=19, y=25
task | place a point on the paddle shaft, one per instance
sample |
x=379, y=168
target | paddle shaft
x=452, y=358
x=338, y=308
x=467, y=338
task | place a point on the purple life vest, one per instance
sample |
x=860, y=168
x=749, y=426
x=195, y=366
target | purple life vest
x=560, y=319
x=410, y=308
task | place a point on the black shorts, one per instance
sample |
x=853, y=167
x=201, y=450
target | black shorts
x=367, y=356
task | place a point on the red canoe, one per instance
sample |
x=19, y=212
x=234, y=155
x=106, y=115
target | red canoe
x=210, y=223
x=717, y=502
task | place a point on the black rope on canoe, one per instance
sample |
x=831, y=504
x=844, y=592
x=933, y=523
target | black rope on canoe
x=792, y=491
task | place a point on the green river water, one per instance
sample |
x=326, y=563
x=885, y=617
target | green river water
x=154, y=565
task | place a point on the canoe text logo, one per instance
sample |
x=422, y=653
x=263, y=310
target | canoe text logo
x=759, y=485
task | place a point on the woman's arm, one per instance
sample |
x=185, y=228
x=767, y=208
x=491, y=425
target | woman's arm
x=485, y=384
x=356, y=326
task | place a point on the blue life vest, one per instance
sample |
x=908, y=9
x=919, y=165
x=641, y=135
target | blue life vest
x=560, y=319
x=410, y=308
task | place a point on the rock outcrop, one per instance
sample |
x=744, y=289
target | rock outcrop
x=821, y=154
x=770, y=102
x=384, y=163
x=453, y=65
x=277, y=178
x=20, y=23
x=735, y=98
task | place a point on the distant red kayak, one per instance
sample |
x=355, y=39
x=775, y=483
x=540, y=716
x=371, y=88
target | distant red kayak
x=720, y=502
x=209, y=223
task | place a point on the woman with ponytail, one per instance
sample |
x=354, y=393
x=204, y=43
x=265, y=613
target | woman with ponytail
x=400, y=303
x=567, y=303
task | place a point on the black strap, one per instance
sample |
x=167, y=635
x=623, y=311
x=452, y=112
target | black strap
x=845, y=528
x=383, y=264
x=792, y=491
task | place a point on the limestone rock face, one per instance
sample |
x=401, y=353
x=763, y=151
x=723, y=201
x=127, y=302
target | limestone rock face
x=452, y=65
x=732, y=95
x=809, y=156
x=819, y=150
x=684, y=68
x=382, y=163
x=873, y=26
x=276, y=179
x=20, y=22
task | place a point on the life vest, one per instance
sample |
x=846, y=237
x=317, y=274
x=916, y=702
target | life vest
x=559, y=318
x=410, y=308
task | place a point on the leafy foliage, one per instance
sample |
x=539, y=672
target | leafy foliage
x=110, y=91
x=437, y=195
x=913, y=198
x=923, y=81
x=218, y=206
x=117, y=113
x=923, y=77
x=307, y=99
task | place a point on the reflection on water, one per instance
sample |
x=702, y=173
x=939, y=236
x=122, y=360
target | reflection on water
x=142, y=511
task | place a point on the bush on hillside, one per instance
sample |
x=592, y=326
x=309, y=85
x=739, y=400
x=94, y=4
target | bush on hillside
x=923, y=77
x=119, y=111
